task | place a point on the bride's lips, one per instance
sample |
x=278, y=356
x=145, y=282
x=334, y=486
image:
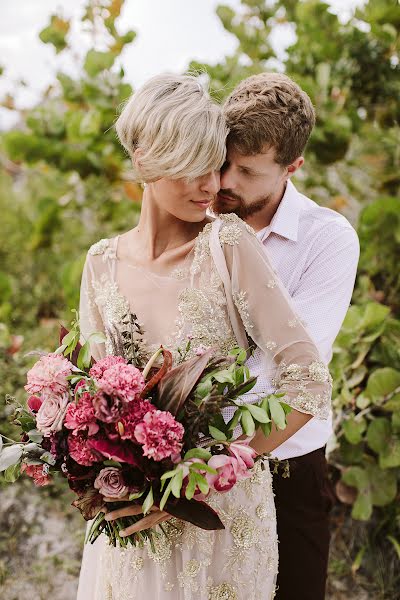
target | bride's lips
x=203, y=205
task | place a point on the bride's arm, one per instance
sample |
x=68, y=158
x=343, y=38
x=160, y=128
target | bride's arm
x=267, y=313
x=90, y=320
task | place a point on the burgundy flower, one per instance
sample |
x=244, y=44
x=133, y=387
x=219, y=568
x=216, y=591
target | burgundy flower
x=80, y=450
x=34, y=403
x=132, y=417
x=107, y=408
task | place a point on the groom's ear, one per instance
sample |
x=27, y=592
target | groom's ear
x=294, y=166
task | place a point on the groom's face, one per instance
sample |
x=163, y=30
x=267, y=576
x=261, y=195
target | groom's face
x=249, y=183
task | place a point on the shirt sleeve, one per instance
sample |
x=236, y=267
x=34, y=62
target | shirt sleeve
x=270, y=320
x=324, y=291
x=90, y=320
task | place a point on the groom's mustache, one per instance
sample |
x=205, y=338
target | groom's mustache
x=229, y=195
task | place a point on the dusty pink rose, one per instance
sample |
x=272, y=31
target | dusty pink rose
x=52, y=411
x=38, y=474
x=245, y=455
x=34, y=403
x=108, y=409
x=132, y=417
x=227, y=468
x=110, y=483
x=105, y=363
x=80, y=450
x=49, y=374
x=160, y=434
x=80, y=415
x=121, y=380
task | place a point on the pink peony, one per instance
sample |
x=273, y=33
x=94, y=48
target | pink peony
x=107, y=408
x=80, y=415
x=105, y=363
x=134, y=415
x=110, y=483
x=160, y=434
x=52, y=411
x=80, y=450
x=38, y=473
x=34, y=403
x=121, y=380
x=49, y=373
x=227, y=468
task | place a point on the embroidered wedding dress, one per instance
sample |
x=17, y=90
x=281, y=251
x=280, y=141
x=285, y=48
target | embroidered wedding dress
x=224, y=292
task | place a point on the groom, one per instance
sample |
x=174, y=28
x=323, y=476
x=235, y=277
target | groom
x=315, y=252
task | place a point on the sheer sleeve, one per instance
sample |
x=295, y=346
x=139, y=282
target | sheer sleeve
x=90, y=319
x=265, y=309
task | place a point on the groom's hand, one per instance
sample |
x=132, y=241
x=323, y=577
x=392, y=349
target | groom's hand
x=153, y=518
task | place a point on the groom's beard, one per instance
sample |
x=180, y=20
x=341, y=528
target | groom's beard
x=236, y=204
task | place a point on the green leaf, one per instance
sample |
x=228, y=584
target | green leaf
x=224, y=376
x=198, y=453
x=203, y=467
x=168, y=474
x=217, y=434
x=148, y=502
x=266, y=428
x=176, y=483
x=69, y=338
x=35, y=436
x=12, y=473
x=10, y=455
x=136, y=495
x=84, y=357
x=395, y=544
x=166, y=495
x=98, y=61
x=382, y=382
x=202, y=483
x=378, y=434
x=191, y=486
x=353, y=429
x=258, y=413
x=237, y=415
x=247, y=422
x=277, y=413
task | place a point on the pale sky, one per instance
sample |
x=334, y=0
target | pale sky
x=170, y=33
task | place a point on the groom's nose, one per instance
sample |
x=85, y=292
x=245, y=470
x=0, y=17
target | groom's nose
x=227, y=179
x=211, y=183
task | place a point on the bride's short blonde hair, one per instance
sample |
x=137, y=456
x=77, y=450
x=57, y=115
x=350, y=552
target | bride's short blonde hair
x=180, y=131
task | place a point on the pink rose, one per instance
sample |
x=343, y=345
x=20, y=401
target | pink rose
x=160, y=434
x=49, y=373
x=227, y=468
x=110, y=483
x=52, y=411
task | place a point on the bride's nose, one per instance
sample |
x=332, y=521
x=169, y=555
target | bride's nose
x=211, y=183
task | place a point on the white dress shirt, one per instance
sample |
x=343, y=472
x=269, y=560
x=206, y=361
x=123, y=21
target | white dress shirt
x=314, y=251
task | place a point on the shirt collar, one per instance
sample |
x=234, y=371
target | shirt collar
x=285, y=221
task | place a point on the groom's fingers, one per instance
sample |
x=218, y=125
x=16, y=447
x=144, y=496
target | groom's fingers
x=127, y=511
x=145, y=523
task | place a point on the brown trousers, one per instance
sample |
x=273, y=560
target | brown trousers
x=303, y=502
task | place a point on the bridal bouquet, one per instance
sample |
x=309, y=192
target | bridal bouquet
x=153, y=436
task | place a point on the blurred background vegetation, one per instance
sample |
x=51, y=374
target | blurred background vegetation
x=64, y=184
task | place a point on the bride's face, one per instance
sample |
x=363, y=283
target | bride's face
x=185, y=199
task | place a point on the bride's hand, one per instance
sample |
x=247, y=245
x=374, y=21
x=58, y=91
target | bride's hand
x=155, y=516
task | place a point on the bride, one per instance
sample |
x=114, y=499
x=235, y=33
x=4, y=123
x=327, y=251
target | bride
x=180, y=274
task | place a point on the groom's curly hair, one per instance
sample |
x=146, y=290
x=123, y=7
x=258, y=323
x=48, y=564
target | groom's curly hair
x=269, y=110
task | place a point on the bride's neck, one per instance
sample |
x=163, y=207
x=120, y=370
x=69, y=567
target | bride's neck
x=159, y=231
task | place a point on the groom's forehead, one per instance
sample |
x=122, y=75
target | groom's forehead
x=267, y=157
